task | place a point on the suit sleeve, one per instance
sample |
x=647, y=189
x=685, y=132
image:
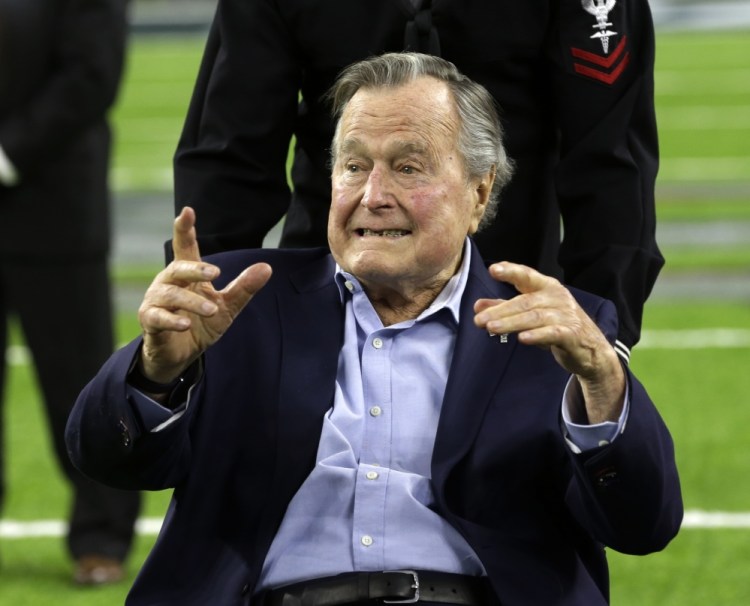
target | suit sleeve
x=89, y=53
x=230, y=164
x=604, y=97
x=108, y=441
x=627, y=494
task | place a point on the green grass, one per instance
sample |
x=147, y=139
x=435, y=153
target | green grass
x=703, y=397
x=703, y=112
x=703, y=209
x=148, y=117
x=699, y=568
x=719, y=259
x=703, y=106
x=36, y=572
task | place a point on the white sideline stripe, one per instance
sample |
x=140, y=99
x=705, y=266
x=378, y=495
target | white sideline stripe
x=697, y=518
x=701, y=338
x=13, y=529
x=718, y=338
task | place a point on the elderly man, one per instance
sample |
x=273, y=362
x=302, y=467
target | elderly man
x=391, y=406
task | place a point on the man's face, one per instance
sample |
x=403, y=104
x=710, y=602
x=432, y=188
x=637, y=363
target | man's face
x=401, y=204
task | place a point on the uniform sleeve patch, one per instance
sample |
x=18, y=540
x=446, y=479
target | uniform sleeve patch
x=605, y=68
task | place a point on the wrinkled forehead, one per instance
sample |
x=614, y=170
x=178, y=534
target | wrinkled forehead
x=421, y=109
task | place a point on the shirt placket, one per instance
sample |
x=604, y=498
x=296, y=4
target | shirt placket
x=375, y=455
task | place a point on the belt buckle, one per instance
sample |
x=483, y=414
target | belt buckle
x=414, y=586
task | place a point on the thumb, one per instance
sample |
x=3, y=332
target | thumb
x=523, y=278
x=239, y=291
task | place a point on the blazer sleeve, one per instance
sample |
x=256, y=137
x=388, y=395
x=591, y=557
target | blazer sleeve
x=88, y=54
x=107, y=441
x=627, y=494
x=604, y=103
x=230, y=163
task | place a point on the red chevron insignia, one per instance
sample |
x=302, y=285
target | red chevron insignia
x=600, y=66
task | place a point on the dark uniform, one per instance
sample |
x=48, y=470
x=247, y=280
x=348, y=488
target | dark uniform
x=60, y=68
x=574, y=79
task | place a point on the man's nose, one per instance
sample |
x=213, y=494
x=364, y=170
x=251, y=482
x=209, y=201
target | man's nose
x=377, y=191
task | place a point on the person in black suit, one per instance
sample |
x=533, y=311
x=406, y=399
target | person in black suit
x=574, y=81
x=61, y=63
x=391, y=405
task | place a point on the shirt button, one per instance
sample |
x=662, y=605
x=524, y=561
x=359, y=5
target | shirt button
x=375, y=411
x=366, y=540
x=372, y=475
x=349, y=285
x=377, y=342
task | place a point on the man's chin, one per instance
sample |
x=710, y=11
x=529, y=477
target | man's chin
x=375, y=266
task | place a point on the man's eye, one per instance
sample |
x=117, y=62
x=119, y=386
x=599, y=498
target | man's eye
x=352, y=168
x=407, y=170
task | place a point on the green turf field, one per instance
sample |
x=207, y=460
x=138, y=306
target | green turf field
x=700, y=385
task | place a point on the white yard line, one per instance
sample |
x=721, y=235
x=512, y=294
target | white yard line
x=700, y=338
x=15, y=529
x=696, y=518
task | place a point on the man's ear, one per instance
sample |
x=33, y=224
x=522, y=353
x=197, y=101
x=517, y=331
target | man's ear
x=482, y=188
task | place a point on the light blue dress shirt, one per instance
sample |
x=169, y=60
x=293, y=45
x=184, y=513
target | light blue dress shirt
x=368, y=503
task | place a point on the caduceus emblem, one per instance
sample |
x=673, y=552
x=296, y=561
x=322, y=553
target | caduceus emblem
x=600, y=9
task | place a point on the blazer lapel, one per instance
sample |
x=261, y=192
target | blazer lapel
x=479, y=362
x=311, y=334
x=311, y=331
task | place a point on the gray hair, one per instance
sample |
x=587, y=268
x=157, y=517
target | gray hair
x=480, y=135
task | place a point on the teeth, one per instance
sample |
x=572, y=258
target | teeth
x=392, y=233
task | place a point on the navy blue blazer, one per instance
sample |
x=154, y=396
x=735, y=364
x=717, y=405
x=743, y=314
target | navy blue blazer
x=537, y=515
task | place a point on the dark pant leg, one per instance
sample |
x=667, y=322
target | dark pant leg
x=66, y=314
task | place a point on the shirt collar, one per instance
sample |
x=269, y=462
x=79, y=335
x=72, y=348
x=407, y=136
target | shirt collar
x=449, y=298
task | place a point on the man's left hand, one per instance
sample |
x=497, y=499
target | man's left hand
x=546, y=314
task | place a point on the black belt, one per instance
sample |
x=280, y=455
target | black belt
x=392, y=587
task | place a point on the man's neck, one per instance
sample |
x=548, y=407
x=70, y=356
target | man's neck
x=393, y=307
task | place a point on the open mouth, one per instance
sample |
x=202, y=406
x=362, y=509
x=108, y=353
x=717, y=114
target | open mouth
x=384, y=233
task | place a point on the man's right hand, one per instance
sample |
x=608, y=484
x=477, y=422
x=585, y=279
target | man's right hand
x=182, y=314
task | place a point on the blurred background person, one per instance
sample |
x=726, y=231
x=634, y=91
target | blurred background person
x=573, y=78
x=60, y=67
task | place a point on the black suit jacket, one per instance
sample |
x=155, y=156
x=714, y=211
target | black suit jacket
x=537, y=515
x=60, y=66
x=579, y=124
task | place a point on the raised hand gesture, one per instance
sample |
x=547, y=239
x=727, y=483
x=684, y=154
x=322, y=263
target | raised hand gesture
x=546, y=314
x=182, y=314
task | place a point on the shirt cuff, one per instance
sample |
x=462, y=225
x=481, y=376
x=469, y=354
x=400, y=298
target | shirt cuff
x=153, y=415
x=8, y=172
x=587, y=437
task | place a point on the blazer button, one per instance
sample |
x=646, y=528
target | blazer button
x=124, y=433
x=245, y=590
x=605, y=477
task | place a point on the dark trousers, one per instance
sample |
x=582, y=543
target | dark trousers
x=65, y=311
